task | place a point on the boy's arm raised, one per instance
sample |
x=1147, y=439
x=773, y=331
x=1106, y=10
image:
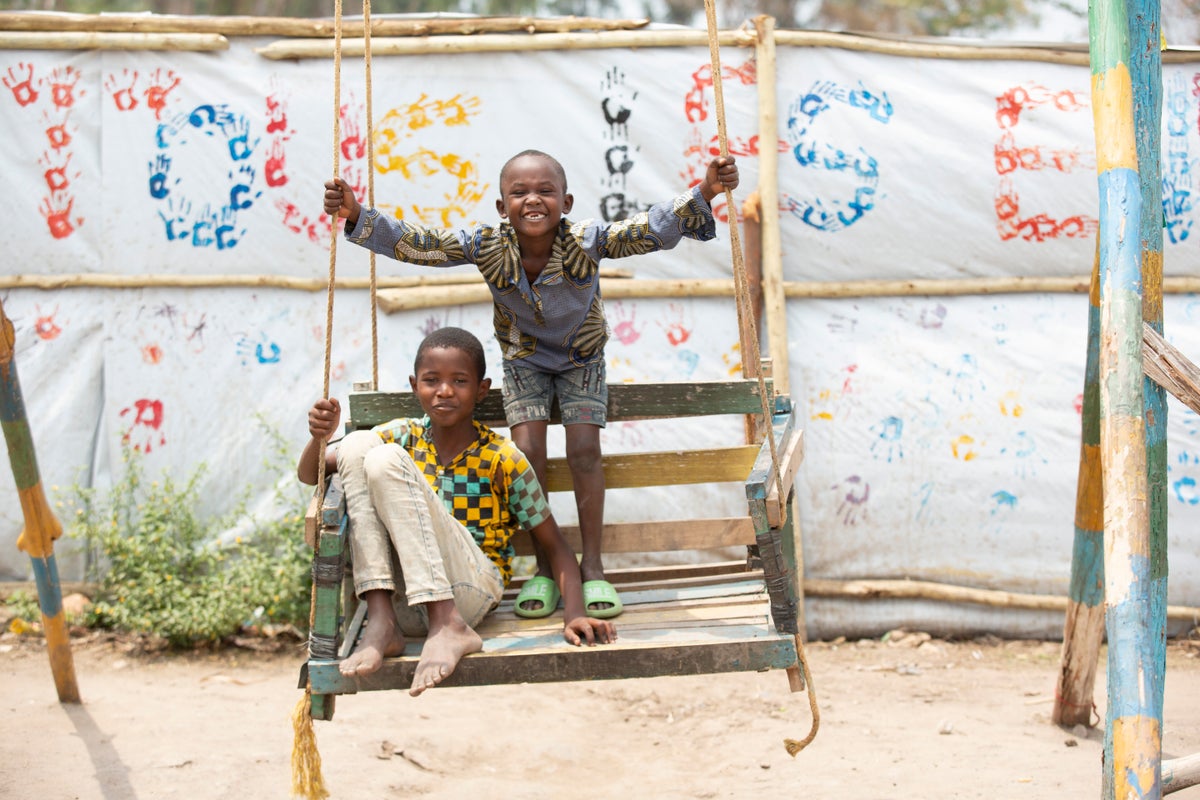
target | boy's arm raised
x=577, y=626
x=340, y=202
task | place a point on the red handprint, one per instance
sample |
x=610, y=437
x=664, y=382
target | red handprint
x=56, y=173
x=276, y=115
x=149, y=415
x=58, y=215
x=273, y=169
x=62, y=86
x=21, y=88
x=57, y=133
x=122, y=95
x=161, y=84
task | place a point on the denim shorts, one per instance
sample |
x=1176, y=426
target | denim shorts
x=582, y=394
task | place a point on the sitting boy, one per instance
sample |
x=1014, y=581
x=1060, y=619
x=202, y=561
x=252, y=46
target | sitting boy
x=433, y=504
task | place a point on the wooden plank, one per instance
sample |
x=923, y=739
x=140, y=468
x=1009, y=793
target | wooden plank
x=737, y=649
x=658, y=537
x=657, y=573
x=789, y=464
x=1164, y=364
x=664, y=468
x=626, y=401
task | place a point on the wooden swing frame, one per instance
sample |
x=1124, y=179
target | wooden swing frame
x=690, y=618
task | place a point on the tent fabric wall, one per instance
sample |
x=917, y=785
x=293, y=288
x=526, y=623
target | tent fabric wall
x=942, y=432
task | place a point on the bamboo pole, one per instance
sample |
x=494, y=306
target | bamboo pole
x=774, y=299
x=41, y=526
x=502, y=42
x=1072, y=55
x=1083, y=626
x=300, y=27
x=394, y=300
x=175, y=42
x=1133, y=728
x=679, y=287
x=949, y=593
x=109, y=281
x=1180, y=773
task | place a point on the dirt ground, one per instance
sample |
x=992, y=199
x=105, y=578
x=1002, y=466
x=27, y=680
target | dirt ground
x=914, y=718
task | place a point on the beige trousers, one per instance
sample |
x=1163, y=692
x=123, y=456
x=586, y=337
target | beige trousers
x=405, y=541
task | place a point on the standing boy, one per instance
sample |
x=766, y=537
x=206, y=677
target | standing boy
x=543, y=272
x=439, y=498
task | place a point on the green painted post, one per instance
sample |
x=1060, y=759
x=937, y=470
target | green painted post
x=41, y=526
x=1083, y=630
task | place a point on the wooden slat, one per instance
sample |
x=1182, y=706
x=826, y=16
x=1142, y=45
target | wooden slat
x=626, y=401
x=734, y=649
x=668, y=468
x=790, y=457
x=658, y=537
x=658, y=573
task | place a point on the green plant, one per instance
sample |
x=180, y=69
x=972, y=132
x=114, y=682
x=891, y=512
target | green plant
x=164, y=570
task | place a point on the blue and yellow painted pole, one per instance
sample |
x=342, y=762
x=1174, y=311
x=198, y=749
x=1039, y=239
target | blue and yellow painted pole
x=1133, y=736
x=41, y=526
x=1145, y=71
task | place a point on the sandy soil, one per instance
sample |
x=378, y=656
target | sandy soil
x=913, y=719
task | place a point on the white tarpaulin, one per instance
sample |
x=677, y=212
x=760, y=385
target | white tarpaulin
x=942, y=433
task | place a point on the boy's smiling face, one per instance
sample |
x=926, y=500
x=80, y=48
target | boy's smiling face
x=448, y=386
x=533, y=196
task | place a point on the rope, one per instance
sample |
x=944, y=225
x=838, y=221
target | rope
x=746, y=323
x=371, y=190
x=307, y=780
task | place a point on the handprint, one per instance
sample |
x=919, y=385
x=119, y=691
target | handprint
x=22, y=89
x=176, y=220
x=617, y=103
x=626, y=330
x=122, y=90
x=161, y=84
x=56, y=170
x=56, y=209
x=62, y=86
x=276, y=157
x=159, y=169
x=854, y=492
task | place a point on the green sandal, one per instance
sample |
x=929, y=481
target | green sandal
x=601, y=592
x=538, y=589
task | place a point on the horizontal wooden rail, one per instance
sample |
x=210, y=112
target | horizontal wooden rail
x=626, y=401
x=666, y=536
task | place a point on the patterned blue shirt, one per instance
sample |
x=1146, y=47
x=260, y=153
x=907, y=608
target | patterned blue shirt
x=556, y=323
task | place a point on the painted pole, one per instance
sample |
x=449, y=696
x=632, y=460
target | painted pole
x=1145, y=70
x=1133, y=733
x=1083, y=630
x=41, y=526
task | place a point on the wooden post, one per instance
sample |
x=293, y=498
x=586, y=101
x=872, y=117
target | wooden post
x=41, y=526
x=1083, y=629
x=774, y=300
x=1133, y=731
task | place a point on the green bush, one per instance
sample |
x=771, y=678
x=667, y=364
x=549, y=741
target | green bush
x=162, y=570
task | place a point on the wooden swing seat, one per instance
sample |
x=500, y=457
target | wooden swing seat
x=719, y=615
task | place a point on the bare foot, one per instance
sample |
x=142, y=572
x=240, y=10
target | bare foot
x=381, y=639
x=441, y=653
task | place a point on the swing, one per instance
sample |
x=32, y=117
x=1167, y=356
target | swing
x=693, y=618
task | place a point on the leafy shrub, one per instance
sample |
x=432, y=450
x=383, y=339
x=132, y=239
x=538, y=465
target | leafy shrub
x=163, y=570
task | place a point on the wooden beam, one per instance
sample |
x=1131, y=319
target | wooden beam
x=177, y=42
x=1164, y=364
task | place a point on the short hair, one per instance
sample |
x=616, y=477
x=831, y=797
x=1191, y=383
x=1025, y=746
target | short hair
x=562, y=173
x=457, y=339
